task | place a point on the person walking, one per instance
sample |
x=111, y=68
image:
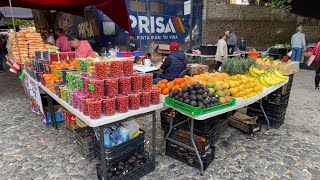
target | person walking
x=222, y=51
x=298, y=43
x=232, y=41
x=62, y=42
x=316, y=53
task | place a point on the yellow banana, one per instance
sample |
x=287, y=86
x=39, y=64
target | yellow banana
x=262, y=81
x=252, y=73
x=274, y=77
x=269, y=80
x=279, y=75
x=256, y=71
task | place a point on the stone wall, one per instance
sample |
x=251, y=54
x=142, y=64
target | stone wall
x=260, y=27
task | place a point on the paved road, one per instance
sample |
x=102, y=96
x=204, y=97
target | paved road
x=31, y=150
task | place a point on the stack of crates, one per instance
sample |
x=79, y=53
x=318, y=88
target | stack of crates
x=275, y=106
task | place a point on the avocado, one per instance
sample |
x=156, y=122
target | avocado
x=181, y=99
x=200, y=104
x=202, y=86
x=206, y=90
x=208, y=106
x=176, y=97
x=175, y=92
x=200, y=91
x=197, y=86
x=211, y=104
x=193, y=92
x=214, y=100
x=185, y=95
x=185, y=89
x=199, y=97
x=194, y=103
x=193, y=97
x=191, y=88
x=205, y=102
x=187, y=101
x=210, y=94
x=171, y=94
x=180, y=94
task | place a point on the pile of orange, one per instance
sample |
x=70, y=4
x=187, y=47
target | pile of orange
x=210, y=77
x=50, y=79
x=63, y=65
x=166, y=86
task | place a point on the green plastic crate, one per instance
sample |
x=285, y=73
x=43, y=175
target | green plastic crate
x=196, y=111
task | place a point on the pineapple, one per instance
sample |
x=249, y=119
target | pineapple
x=237, y=65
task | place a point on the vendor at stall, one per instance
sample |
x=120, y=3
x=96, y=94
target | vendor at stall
x=173, y=64
x=134, y=46
x=49, y=37
x=62, y=42
x=82, y=47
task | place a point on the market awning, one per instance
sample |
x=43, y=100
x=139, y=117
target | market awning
x=116, y=10
x=21, y=13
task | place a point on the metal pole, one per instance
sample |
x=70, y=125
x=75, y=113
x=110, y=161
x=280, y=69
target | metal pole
x=191, y=23
x=15, y=32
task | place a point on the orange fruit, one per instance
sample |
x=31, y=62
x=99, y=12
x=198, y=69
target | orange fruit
x=164, y=81
x=182, y=84
x=177, y=86
x=162, y=86
x=170, y=85
x=165, y=91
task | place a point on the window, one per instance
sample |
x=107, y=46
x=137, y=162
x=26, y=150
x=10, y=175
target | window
x=137, y=6
x=156, y=7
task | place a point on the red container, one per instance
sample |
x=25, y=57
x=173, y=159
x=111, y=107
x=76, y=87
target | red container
x=147, y=81
x=125, y=85
x=134, y=101
x=145, y=99
x=115, y=68
x=95, y=109
x=127, y=67
x=71, y=55
x=63, y=56
x=109, y=106
x=122, y=103
x=126, y=54
x=98, y=88
x=79, y=101
x=53, y=57
x=86, y=83
x=111, y=87
x=101, y=70
x=136, y=83
x=84, y=105
x=74, y=97
x=68, y=116
x=155, y=96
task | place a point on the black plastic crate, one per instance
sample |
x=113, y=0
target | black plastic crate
x=134, y=174
x=189, y=157
x=85, y=142
x=120, y=152
x=202, y=140
x=166, y=118
x=272, y=109
x=275, y=120
x=223, y=123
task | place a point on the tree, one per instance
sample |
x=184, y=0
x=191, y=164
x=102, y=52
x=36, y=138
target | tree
x=283, y=6
x=20, y=22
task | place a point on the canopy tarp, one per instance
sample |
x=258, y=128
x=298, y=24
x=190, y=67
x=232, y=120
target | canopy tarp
x=116, y=10
x=21, y=13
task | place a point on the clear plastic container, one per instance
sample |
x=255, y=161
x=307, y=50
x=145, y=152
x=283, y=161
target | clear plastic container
x=127, y=67
x=147, y=81
x=115, y=68
x=134, y=101
x=96, y=88
x=67, y=93
x=125, y=85
x=136, y=83
x=111, y=87
x=82, y=65
x=63, y=56
x=109, y=106
x=122, y=103
x=95, y=110
x=53, y=57
x=84, y=105
x=155, y=96
x=91, y=71
x=57, y=88
x=80, y=102
x=145, y=99
x=101, y=70
x=74, y=97
x=86, y=85
x=62, y=93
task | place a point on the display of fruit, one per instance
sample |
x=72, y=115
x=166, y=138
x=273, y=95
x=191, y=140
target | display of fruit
x=244, y=87
x=63, y=65
x=197, y=95
x=237, y=65
x=267, y=61
x=271, y=78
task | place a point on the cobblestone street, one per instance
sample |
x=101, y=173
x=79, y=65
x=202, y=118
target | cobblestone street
x=31, y=150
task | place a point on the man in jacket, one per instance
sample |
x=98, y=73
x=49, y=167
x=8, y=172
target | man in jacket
x=173, y=64
x=231, y=41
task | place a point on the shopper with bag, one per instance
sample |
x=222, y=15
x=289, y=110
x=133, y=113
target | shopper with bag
x=298, y=43
x=315, y=58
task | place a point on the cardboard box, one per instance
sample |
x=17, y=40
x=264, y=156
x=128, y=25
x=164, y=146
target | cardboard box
x=289, y=68
x=161, y=48
x=195, y=69
x=58, y=114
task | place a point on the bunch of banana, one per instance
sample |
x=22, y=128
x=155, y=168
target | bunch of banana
x=266, y=61
x=271, y=78
x=254, y=71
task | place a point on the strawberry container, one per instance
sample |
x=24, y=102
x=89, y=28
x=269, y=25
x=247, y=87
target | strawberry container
x=95, y=109
x=84, y=105
x=125, y=85
x=127, y=67
x=134, y=101
x=53, y=57
x=147, y=81
x=109, y=106
x=111, y=87
x=71, y=55
x=155, y=96
x=136, y=83
x=96, y=88
x=86, y=83
x=74, y=97
x=115, y=68
x=122, y=102
x=126, y=54
x=80, y=101
x=63, y=56
x=101, y=70
x=145, y=99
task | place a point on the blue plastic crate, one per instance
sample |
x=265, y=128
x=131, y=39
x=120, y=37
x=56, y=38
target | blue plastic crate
x=58, y=115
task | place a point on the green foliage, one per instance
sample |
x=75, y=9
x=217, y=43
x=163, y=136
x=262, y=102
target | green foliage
x=20, y=22
x=237, y=65
x=282, y=6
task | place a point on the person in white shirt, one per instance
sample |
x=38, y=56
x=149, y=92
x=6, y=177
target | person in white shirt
x=298, y=43
x=49, y=37
x=222, y=51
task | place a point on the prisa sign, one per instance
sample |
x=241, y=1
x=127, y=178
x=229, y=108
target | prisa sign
x=85, y=30
x=157, y=24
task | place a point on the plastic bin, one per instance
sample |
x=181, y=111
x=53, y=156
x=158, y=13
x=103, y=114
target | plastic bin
x=85, y=142
x=137, y=53
x=126, y=54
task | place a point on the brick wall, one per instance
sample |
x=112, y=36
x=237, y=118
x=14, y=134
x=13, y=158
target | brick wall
x=260, y=27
